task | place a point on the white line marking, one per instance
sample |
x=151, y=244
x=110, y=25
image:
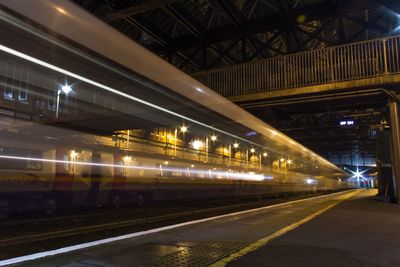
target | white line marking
x=142, y=233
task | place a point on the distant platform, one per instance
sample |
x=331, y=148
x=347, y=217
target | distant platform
x=344, y=229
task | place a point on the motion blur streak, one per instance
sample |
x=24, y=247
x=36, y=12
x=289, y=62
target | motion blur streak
x=229, y=175
x=109, y=89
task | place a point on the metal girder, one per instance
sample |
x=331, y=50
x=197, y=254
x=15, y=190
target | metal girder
x=312, y=35
x=267, y=45
x=375, y=26
x=137, y=8
x=190, y=57
x=390, y=4
x=141, y=24
x=238, y=20
x=182, y=17
x=227, y=7
x=366, y=26
x=271, y=22
x=315, y=35
x=218, y=58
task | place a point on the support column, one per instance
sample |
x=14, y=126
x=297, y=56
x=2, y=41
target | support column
x=395, y=132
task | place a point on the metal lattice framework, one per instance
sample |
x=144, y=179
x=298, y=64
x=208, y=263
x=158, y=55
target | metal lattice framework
x=212, y=38
x=197, y=35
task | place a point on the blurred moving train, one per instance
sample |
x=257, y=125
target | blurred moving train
x=88, y=117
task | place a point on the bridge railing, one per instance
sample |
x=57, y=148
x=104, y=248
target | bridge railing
x=348, y=62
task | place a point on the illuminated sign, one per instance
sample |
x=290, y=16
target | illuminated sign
x=346, y=122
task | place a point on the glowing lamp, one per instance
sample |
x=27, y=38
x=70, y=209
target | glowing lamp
x=184, y=129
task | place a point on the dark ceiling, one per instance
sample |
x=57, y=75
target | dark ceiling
x=197, y=35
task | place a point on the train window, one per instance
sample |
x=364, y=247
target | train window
x=66, y=164
x=23, y=91
x=51, y=103
x=20, y=163
x=120, y=168
x=8, y=90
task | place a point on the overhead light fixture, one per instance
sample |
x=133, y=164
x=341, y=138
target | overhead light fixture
x=184, y=129
x=66, y=89
x=197, y=144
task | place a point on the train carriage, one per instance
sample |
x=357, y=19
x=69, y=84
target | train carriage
x=90, y=118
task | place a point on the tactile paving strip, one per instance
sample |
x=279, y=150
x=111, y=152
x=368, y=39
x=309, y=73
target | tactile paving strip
x=201, y=254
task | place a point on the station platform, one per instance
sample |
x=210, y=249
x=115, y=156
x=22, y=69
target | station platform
x=349, y=228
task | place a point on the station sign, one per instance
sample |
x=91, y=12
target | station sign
x=373, y=133
x=347, y=122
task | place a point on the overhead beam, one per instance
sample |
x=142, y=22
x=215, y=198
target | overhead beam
x=366, y=26
x=137, y=8
x=144, y=26
x=375, y=26
x=390, y=4
x=228, y=8
x=181, y=16
x=313, y=35
x=316, y=11
x=267, y=44
x=238, y=20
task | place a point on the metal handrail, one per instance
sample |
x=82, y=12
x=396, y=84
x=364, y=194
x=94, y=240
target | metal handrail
x=366, y=59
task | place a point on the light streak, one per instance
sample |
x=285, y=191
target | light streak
x=232, y=175
x=114, y=91
x=25, y=27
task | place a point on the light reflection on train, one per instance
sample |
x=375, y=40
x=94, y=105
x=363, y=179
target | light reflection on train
x=50, y=174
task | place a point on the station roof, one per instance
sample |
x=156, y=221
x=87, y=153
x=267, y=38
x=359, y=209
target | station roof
x=199, y=35
x=196, y=35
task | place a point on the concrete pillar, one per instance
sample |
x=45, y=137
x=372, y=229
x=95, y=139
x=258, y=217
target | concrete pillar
x=395, y=132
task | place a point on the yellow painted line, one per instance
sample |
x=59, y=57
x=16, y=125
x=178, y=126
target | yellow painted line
x=264, y=241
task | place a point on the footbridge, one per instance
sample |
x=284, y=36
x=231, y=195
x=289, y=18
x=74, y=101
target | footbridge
x=349, y=71
x=362, y=65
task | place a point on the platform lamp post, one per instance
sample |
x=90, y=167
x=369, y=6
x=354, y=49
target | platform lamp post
x=66, y=89
x=252, y=150
x=230, y=155
x=213, y=139
x=175, y=137
x=236, y=146
x=183, y=129
x=207, y=149
x=247, y=158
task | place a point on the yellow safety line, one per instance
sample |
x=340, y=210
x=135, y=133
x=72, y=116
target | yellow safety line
x=262, y=242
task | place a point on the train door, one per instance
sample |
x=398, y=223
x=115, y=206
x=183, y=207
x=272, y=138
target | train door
x=94, y=179
x=120, y=179
x=101, y=178
x=120, y=172
x=82, y=176
x=64, y=170
x=64, y=176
